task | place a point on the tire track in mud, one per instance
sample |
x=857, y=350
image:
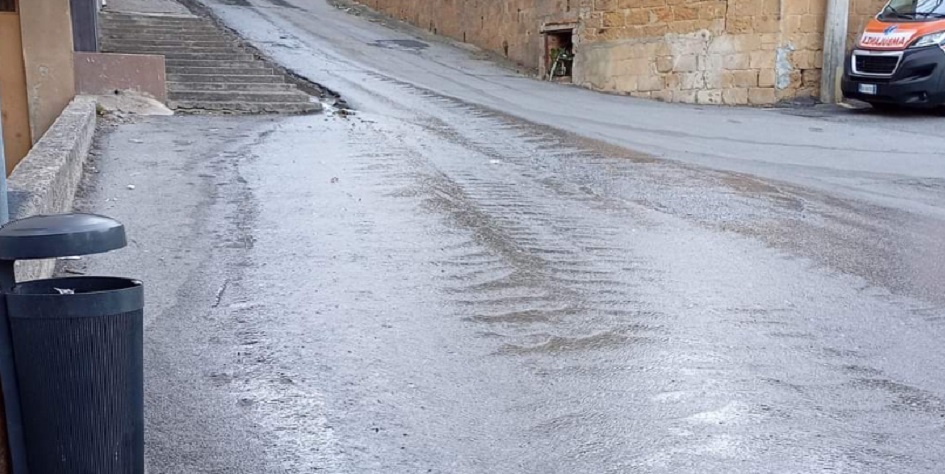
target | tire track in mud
x=851, y=237
x=538, y=286
x=548, y=291
x=535, y=250
x=555, y=269
x=551, y=284
x=494, y=239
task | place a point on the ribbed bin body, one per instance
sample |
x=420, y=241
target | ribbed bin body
x=77, y=343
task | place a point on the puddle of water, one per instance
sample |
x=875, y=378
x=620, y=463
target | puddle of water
x=411, y=45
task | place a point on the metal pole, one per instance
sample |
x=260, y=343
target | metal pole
x=4, y=204
x=11, y=393
x=835, y=50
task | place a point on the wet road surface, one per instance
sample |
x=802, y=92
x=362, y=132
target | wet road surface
x=446, y=283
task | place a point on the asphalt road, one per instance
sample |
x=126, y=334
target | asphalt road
x=481, y=273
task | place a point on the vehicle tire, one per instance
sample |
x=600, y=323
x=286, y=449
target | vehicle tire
x=885, y=107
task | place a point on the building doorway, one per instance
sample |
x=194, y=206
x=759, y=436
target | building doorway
x=85, y=25
x=558, y=61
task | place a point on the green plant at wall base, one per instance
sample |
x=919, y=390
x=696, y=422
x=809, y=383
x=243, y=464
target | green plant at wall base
x=560, y=61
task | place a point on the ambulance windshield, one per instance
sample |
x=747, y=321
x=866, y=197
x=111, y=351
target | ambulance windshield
x=920, y=10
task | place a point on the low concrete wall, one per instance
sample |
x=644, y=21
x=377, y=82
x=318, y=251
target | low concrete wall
x=45, y=182
x=104, y=73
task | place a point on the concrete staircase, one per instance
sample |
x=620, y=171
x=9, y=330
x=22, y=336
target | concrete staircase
x=207, y=68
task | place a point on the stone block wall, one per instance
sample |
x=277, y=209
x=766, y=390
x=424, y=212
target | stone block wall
x=696, y=51
x=861, y=12
x=711, y=51
x=508, y=27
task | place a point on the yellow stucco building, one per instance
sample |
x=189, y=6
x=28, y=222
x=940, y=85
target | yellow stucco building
x=36, y=70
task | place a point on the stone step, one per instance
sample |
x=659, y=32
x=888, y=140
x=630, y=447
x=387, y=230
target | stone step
x=133, y=42
x=131, y=22
x=188, y=56
x=215, y=63
x=246, y=107
x=208, y=69
x=148, y=16
x=214, y=37
x=147, y=34
x=146, y=37
x=237, y=55
x=110, y=26
x=227, y=79
x=152, y=30
x=229, y=86
x=127, y=16
x=161, y=49
x=170, y=51
x=228, y=71
x=186, y=22
x=169, y=43
x=239, y=96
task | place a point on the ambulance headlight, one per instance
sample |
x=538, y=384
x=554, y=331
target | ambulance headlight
x=930, y=40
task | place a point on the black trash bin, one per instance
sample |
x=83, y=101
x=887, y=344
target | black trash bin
x=71, y=353
x=77, y=343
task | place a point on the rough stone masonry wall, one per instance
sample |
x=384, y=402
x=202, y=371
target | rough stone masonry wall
x=714, y=51
x=696, y=51
x=508, y=27
x=861, y=12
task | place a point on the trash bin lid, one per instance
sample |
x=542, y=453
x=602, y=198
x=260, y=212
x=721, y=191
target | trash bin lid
x=60, y=235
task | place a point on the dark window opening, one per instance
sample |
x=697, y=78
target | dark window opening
x=7, y=5
x=559, y=54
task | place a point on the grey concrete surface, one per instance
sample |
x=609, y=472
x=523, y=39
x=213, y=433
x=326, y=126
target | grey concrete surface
x=180, y=218
x=862, y=155
x=478, y=273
